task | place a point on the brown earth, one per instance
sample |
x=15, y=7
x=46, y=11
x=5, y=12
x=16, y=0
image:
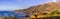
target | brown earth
x=43, y=8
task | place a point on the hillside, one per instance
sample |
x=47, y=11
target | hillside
x=43, y=8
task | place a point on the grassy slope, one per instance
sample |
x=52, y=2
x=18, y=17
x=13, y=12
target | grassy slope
x=43, y=8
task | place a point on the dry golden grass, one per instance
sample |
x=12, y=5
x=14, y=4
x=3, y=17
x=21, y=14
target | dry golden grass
x=2, y=18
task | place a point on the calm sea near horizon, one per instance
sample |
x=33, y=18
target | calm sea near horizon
x=10, y=13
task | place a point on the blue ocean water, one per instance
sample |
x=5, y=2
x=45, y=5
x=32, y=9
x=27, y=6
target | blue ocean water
x=13, y=14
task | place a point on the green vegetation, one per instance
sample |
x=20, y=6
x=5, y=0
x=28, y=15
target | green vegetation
x=55, y=12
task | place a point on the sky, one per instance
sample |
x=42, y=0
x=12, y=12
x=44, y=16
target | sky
x=20, y=4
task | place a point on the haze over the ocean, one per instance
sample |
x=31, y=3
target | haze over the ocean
x=19, y=4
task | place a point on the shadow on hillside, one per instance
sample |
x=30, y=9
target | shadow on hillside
x=55, y=17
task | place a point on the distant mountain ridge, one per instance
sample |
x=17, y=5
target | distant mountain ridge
x=43, y=8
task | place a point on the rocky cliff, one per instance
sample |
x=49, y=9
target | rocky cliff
x=43, y=8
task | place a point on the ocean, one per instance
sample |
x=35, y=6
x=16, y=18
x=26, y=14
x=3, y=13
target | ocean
x=12, y=14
